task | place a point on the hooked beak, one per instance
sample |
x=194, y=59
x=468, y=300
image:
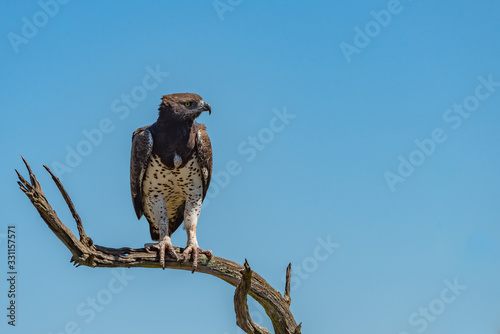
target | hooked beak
x=206, y=107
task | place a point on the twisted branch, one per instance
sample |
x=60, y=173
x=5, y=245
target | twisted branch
x=86, y=253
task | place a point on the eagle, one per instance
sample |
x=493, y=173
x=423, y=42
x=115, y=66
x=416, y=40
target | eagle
x=170, y=171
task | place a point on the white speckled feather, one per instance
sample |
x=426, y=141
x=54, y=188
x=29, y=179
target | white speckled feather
x=166, y=189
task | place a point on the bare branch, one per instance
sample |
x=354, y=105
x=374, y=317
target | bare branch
x=34, y=192
x=88, y=254
x=83, y=236
x=243, y=318
x=287, y=297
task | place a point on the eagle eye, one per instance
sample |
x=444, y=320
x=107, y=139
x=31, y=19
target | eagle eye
x=187, y=104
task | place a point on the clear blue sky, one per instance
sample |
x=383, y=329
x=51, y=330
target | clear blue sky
x=358, y=141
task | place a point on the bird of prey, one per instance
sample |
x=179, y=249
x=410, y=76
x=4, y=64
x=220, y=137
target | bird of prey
x=170, y=171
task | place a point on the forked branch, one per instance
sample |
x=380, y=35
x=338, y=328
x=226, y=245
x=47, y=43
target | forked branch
x=86, y=253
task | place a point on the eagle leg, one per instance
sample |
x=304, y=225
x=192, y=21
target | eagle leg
x=163, y=247
x=159, y=220
x=191, y=214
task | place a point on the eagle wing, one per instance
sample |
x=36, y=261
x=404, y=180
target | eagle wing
x=142, y=146
x=204, y=154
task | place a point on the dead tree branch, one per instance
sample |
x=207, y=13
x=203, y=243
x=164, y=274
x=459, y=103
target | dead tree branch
x=243, y=318
x=86, y=253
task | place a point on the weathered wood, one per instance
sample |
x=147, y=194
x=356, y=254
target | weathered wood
x=287, y=297
x=86, y=253
x=243, y=318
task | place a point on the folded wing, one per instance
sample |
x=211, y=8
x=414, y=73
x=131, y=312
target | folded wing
x=142, y=146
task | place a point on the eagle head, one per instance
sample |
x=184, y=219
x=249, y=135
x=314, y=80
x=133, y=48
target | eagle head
x=182, y=106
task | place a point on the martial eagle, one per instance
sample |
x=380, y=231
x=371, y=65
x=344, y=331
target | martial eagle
x=170, y=171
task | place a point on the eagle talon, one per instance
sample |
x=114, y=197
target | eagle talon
x=148, y=247
x=193, y=252
x=163, y=247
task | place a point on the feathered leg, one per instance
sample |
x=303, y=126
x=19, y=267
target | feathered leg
x=192, y=250
x=158, y=214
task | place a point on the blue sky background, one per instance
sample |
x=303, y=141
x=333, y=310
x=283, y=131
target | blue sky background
x=318, y=176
